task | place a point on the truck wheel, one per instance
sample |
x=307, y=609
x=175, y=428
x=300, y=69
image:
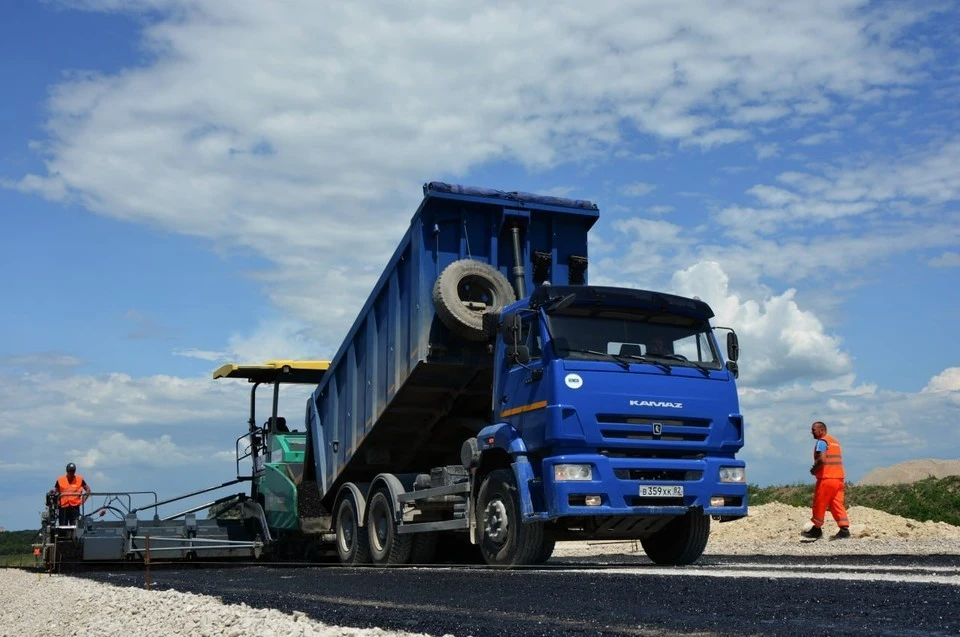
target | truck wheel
x=424, y=548
x=546, y=550
x=506, y=540
x=465, y=291
x=352, y=544
x=681, y=542
x=387, y=547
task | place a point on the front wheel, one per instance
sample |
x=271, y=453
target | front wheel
x=506, y=540
x=681, y=542
x=352, y=544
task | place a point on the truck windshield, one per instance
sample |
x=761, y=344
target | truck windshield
x=591, y=334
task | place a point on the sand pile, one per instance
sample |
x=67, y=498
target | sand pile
x=912, y=471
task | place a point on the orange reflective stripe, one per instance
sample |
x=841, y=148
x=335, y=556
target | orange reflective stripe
x=523, y=409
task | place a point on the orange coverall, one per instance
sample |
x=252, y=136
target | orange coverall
x=828, y=493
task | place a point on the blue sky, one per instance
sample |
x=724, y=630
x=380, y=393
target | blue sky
x=188, y=183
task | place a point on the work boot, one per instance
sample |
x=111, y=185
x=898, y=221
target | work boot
x=813, y=533
x=842, y=534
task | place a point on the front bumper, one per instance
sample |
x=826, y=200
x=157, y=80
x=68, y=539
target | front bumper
x=618, y=481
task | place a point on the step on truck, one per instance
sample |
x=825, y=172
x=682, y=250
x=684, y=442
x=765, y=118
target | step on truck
x=487, y=394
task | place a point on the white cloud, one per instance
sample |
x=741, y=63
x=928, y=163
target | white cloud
x=946, y=381
x=755, y=114
x=946, y=260
x=804, y=220
x=779, y=341
x=819, y=138
x=57, y=404
x=767, y=150
x=654, y=231
x=660, y=210
x=117, y=450
x=637, y=189
x=41, y=360
x=201, y=354
x=269, y=128
x=718, y=137
x=300, y=134
x=876, y=429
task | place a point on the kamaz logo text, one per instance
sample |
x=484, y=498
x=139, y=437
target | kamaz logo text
x=655, y=403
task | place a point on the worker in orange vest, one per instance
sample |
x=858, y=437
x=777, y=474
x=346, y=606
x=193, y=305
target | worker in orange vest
x=828, y=493
x=73, y=492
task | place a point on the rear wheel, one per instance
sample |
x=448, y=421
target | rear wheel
x=352, y=544
x=424, y=549
x=387, y=546
x=681, y=542
x=506, y=540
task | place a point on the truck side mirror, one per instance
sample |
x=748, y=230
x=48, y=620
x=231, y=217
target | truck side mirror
x=518, y=354
x=733, y=368
x=733, y=346
x=510, y=327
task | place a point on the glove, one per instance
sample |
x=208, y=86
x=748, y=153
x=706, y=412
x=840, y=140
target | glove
x=813, y=470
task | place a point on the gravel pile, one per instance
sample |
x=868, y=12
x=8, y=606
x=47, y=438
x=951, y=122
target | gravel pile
x=30, y=602
x=29, y=605
x=774, y=529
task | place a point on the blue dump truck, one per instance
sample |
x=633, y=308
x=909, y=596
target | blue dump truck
x=486, y=402
x=486, y=390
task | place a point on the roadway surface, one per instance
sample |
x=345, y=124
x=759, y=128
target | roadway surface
x=850, y=595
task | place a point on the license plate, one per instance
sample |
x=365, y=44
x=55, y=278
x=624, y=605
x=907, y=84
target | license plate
x=657, y=491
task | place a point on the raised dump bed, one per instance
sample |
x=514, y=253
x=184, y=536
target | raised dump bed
x=413, y=377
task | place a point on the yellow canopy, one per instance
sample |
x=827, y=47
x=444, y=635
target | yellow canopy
x=305, y=372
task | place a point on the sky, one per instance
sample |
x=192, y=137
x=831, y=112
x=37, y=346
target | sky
x=187, y=183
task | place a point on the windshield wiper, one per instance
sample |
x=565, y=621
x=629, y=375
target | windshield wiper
x=678, y=357
x=594, y=352
x=621, y=359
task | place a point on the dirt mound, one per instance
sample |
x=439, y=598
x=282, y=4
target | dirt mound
x=911, y=471
x=773, y=521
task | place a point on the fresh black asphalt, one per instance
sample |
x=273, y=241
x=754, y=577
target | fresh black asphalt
x=576, y=599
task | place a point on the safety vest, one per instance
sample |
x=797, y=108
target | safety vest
x=70, y=492
x=832, y=467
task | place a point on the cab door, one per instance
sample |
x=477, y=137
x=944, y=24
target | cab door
x=523, y=399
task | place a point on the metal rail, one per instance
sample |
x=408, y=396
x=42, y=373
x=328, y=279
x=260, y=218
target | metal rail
x=185, y=496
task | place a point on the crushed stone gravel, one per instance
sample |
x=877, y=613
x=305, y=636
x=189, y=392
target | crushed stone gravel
x=30, y=607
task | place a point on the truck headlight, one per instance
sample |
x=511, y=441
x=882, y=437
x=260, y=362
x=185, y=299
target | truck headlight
x=572, y=472
x=733, y=474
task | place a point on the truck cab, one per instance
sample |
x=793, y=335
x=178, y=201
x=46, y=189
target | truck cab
x=620, y=417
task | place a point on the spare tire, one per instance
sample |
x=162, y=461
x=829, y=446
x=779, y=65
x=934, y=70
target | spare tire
x=465, y=291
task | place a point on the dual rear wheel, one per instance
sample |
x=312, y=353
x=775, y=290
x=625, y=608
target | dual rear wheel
x=505, y=540
x=377, y=541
